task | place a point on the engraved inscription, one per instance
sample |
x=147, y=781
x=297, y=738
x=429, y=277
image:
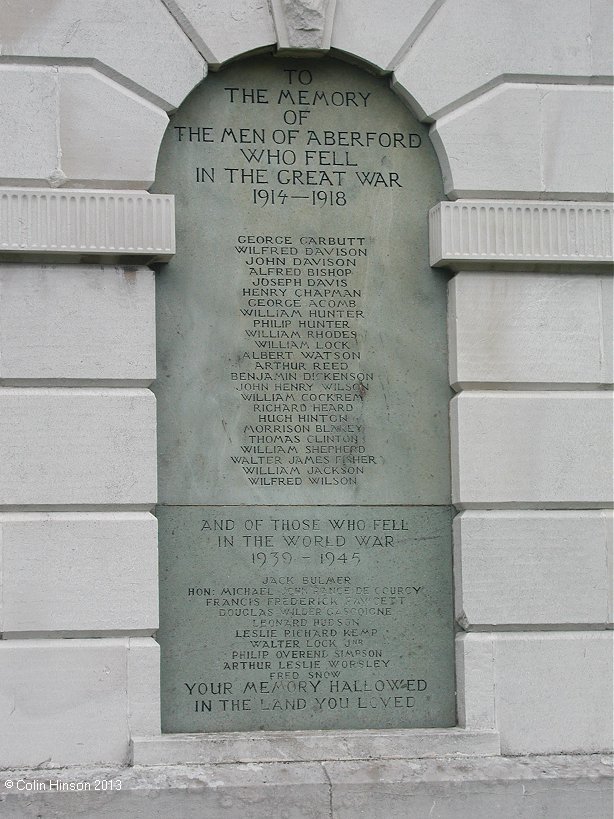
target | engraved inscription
x=299, y=362
x=309, y=336
x=304, y=485
x=291, y=153
x=306, y=613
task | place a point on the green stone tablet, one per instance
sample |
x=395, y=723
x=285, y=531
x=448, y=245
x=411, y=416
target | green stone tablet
x=303, y=392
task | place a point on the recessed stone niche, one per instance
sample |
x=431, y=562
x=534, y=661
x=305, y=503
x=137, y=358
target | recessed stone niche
x=305, y=517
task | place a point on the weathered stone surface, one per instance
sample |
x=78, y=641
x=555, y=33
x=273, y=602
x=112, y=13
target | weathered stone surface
x=339, y=306
x=68, y=702
x=138, y=40
x=511, y=329
x=233, y=791
x=469, y=44
x=303, y=25
x=143, y=687
x=545, y=691
x=477, y=234
x=75, y=323
x=60, y=224
x=222, y=31
x=532, y=449
x=109, y=136
x=557, y=787
x=491, y=145
x=77, y=447
x=560, y=560
x=78, y=572
x=325, y=343
x=28, y=94
x=577, y=157
x=553, y=692
x=473, y=789
x=570, y=165
x=307, y=618
x=475, y=681
x=378, y=32
x=503, y=143
x=90, y=130
x=304, y=746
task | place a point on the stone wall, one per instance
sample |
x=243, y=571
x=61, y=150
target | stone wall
x=520, y=113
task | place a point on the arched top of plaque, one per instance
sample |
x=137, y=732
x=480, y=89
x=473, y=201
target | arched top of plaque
x=302, y=345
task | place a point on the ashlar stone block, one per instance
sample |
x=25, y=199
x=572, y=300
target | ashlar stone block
x=109, y=136
x=470, y=44
x=546, y=692
x=28, y=107
x=74, y=448
x=532, y=449
x=143, y=687
x=78, y=572
x=72, y=125
x=137, y=42
x=502, y=143
x=475, y=681
x=75, y=323
x=551, y=569
x=71, y=702
x=511, y=329
x=222, y=31
x=377, y=32
x=491, y=144
x=554, y=692
x=579, y=157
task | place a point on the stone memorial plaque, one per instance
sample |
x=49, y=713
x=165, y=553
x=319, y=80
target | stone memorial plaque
x=302, y=345
x=305, y=617
x=302, y=383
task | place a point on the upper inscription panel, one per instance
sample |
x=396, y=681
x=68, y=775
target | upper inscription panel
x=302, y=350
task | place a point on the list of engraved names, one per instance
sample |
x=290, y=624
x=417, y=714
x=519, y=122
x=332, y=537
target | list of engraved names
x=304, y=612
x=304, y=517
x=299, y=369
x=309, y=325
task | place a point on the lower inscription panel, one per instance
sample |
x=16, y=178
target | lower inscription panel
x=306, y=617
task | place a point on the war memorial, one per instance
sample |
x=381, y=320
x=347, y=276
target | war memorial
x=306, y=417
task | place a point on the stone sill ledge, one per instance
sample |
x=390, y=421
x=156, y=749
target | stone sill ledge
x=474, y=234
x=39, y=224
x=312, y=746
x=86, y=225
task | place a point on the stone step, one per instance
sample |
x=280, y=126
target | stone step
x=551, y=787
x=312, y=746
